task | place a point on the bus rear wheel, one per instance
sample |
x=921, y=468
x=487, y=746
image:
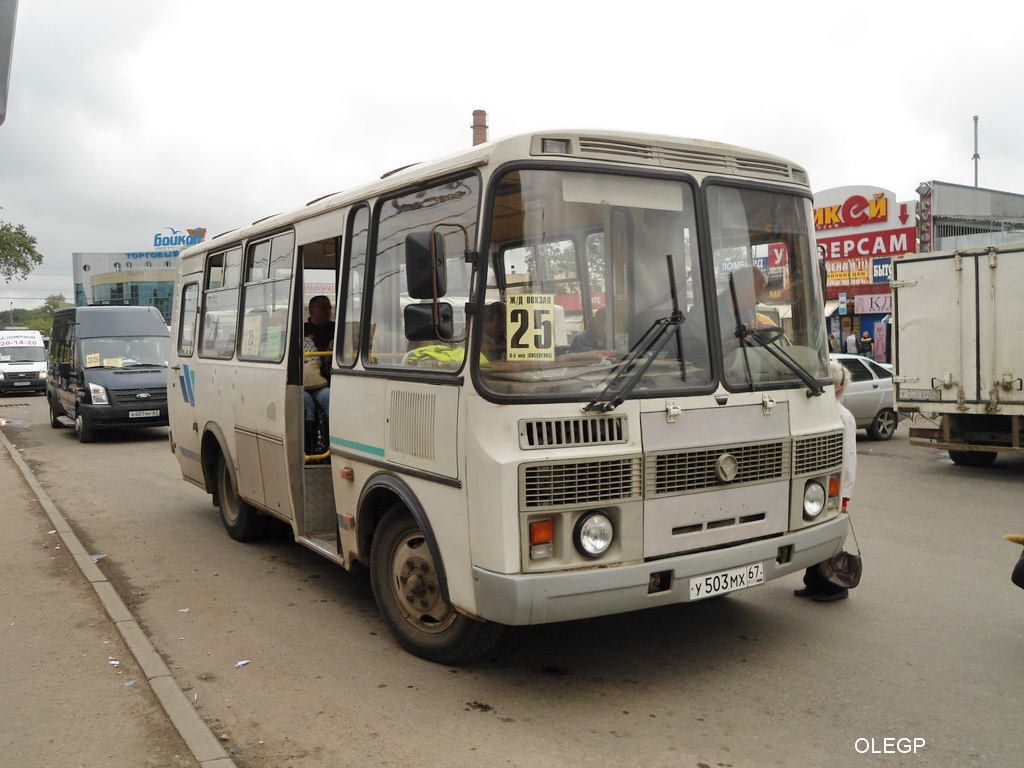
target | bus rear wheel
x=242, y=521
x=408, y=590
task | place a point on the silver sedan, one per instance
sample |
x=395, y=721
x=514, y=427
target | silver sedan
x=869, y=395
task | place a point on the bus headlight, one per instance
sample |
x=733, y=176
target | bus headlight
x=593, y=534
x=814, y=500
x=98, y=394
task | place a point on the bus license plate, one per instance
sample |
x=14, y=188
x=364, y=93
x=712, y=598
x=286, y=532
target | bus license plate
x=720, y=582
x=142, y=414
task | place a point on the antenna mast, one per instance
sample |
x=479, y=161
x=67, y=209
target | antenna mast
x=976, y=155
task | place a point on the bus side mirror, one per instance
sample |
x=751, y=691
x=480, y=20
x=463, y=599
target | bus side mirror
x=425, y=267
x=64, y=369
x=419, y=322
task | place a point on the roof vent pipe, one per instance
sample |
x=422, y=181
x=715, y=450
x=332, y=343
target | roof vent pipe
x=479, y=126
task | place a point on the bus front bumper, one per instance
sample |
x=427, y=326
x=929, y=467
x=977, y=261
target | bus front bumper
x=518, y=599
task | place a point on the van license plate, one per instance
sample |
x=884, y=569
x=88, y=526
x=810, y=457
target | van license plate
x=22, y=383
x=720, y=582
x=142, y=414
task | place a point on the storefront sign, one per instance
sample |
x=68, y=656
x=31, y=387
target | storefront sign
x=884, y=243
x=844, y=272
x=881, y=270
x=857, y=210
x=872, y=303
x=177, y=238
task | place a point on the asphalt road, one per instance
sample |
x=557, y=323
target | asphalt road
x=928, y=648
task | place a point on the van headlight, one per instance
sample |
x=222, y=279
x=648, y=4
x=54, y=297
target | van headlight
x=593, y=534
x=98, y=394
x=814, y=500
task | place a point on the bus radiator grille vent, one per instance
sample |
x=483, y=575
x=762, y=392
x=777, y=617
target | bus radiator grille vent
x=630, y=150
x=761, y=167
x=813, y=455
x=580, y=482
x=689, y=471
x=139, y=397
x=682, y=156
x=411, y=424
x=572, y=432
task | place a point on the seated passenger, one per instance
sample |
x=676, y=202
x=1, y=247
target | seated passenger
x=594, y=336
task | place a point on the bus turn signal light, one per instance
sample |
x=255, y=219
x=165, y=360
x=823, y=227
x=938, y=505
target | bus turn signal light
x=542, y=535
x=833, y=485
x=542, y=531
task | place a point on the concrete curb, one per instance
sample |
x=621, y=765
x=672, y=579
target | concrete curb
x=198, y=737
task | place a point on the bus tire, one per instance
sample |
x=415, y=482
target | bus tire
x=241, y=520
x=973, y=458
x=409, y=595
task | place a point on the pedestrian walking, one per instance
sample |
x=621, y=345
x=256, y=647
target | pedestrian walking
x=816, y=586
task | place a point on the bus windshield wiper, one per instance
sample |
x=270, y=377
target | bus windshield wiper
x=814, y=389
x=628, y=374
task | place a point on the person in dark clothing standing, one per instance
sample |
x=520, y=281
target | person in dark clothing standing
x=319, y=335
x=866, y=345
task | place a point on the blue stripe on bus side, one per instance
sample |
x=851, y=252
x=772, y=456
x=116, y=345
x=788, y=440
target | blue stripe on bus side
x=189, y=379
x=373, y=450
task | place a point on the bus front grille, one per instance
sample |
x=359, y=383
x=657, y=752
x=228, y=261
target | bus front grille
x=580, y=482
x=696, y=470
x=813, y=455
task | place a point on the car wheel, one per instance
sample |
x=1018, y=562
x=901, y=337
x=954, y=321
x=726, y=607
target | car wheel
x=408, y=589
x=53, y=413
x=85, y=430
x=883, y=426
x=973, y=458
x=242, y=521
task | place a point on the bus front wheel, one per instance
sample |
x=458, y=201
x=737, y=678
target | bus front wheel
x=407, y=588
x=242, y=521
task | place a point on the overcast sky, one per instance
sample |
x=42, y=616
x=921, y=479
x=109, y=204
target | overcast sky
x=129, y=116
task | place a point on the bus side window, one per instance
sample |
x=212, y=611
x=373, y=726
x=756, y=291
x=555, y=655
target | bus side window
x=188, y=319
x=353, y=272
x=448, y=208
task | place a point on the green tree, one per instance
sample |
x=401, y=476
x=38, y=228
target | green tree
x=18, y=254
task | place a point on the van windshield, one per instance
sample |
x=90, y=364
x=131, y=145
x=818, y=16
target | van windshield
x=23, y=355
x=125, y=352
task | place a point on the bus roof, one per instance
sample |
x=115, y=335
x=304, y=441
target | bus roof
x=651, y=150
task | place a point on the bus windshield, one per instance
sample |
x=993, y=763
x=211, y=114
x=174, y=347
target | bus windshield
x=598, y=278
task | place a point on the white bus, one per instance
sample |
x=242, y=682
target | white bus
x=551, y=395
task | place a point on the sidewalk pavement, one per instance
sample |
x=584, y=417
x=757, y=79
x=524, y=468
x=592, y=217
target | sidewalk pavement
x=82, y=685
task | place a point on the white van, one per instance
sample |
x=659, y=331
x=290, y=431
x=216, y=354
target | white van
x=22, y=361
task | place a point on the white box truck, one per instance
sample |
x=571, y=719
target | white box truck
x=958, y=347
